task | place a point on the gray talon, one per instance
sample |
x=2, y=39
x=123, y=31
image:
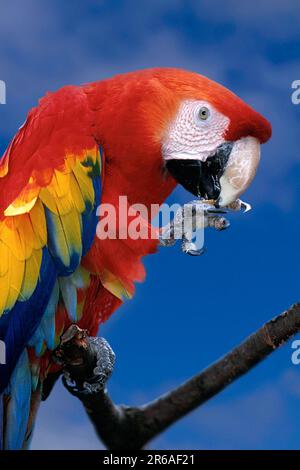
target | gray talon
x=239, y=205
x=245, y=206
x=221, y=224
x=191, y=249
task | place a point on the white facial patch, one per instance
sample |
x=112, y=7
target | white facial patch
x=190, y=137
x=240, y=169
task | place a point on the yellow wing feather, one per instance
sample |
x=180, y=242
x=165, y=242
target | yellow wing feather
x=23, y=231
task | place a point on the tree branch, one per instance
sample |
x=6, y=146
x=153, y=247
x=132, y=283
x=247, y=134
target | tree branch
x=131, y=428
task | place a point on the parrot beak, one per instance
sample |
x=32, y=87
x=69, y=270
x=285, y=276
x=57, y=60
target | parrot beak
x=240, y=170
x=201, y=178
x=222, y=177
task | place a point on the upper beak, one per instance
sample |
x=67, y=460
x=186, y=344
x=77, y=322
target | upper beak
x=201, y=178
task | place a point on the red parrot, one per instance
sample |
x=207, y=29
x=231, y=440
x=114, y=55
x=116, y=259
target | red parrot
x=137, y=134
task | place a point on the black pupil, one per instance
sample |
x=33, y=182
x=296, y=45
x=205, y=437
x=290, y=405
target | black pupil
x=203, y=112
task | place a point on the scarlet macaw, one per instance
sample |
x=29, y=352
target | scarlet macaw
x=136, y=134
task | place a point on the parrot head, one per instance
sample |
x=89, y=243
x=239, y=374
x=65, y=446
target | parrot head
x=168, y=126
x=212, y=145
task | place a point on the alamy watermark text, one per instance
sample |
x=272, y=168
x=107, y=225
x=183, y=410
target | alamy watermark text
x=2, y=92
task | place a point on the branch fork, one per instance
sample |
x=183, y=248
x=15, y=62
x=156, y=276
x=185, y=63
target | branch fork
x=131, y=428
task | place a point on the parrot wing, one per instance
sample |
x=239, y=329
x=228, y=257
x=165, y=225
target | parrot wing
x=50, y=189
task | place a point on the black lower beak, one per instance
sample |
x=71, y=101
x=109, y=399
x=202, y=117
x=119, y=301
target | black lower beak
x=201, y=178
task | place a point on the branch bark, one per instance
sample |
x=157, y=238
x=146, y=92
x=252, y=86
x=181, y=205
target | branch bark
x=131, y=428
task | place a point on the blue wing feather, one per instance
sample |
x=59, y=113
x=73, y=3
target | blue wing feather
x=20, y=324
x=32, y=322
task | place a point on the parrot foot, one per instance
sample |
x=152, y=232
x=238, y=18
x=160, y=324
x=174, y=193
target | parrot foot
x=87, y=362
x=195, y=215
x=191, y=217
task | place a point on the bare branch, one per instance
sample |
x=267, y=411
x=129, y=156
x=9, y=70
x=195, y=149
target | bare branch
x=122, y=427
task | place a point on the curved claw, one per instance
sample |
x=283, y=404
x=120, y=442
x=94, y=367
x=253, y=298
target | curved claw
x=245, y=206
x=221, y=224
x=239, y=205
x=191, y=249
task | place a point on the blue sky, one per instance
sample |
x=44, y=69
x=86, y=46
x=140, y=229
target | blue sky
x=189, y=311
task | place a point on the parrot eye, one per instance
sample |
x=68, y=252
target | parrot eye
x=203, y=113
